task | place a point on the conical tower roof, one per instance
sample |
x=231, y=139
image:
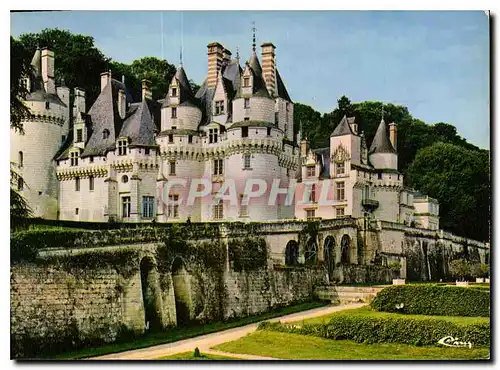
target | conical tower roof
x=343, y=128
x=381, y=142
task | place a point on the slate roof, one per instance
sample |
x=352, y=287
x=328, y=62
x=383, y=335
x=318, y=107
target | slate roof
x=139, y=127
x=381, y=142
x=282, y=92
x=185, y=94
x=323, y=155
x=259, y=88
x=343, y=128
x=37, y=88
x=205, y=96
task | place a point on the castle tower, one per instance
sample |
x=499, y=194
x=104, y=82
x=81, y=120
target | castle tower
x=382, y=154
x=44, y=132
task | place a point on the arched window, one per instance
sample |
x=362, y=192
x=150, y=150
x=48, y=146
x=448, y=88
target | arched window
x=21, y=159
x=105, y=134
x=311, y=254
x=329, y=255
x=292, y=253
x=345, y=249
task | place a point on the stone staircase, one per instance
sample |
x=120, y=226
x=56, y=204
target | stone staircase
x=344, y=294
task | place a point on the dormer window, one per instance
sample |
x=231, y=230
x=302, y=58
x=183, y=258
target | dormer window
x=340, y=168
x=246, y=82
x=122, y=147
x=79, y=135
x=74, y=158
x=47, y=105
x=105, y=134
x=246, y=103
x=174, y=92
x=213, y=134
x=311, y=171
x=219, y=107
x=244, y=132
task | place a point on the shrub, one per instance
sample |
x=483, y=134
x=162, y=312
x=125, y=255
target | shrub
x=433, y=300
x=365, y=329
x=460, y=268
x=479, y=270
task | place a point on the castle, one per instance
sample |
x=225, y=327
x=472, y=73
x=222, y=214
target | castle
x=142, y=161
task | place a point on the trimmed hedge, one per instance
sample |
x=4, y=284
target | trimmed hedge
x=364, y=329
x=433, y=300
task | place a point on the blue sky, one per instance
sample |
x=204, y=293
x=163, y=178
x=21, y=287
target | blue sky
x=435, y=63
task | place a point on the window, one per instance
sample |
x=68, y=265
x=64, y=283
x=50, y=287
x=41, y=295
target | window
x=170, y=138
x=20, y=160
x=79, y=135
x=340, y=211
x=246, y=161
x=105, y=134
x=246, y=103
x=219, y=107
x=340, y=190
x=212, y=135
x=173, y=207
x=276, y=118
x=244, y=132
x=125, y=207
x=218, y=210
x=246, y=119
x=147, y=206
x=174, y=127
x=91, y=183
x=47, y=105
x=311, y=171
x=124, y=179
x=218, y=166
x=174, y=91
x=269, y=131
x=77, y=184
x=77, y=210
x=246, y=82
x=312, y=194
x=172, y=168
x=340, y=168
x=379, y=176
x=74, y=158
x=91, y=159
x=174, y=112
x=243, y=206
x=190, y=139
x=310, y=214
x=146, y=151
x=20, y=184
x=366, y=192
x=122, y=147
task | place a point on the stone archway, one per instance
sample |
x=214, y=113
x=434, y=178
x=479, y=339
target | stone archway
x=329, y=255
x=292, y=253
x=345, y=249
x=311, y=252
x=150, y=294
x=182, y=294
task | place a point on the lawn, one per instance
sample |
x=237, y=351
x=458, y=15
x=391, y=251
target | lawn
x=190, y=356
x=301, y=347
x=367, y=311
x=176, y=334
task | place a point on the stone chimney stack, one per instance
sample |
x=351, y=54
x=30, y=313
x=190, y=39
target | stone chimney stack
x=146, y=90
x=122, y=103
x=226, y=56
x=79, y=104
x=269, y=67
x=215, y=59
x=48, y=71
x=105, y=79
x=393, y=135
x=304, y=147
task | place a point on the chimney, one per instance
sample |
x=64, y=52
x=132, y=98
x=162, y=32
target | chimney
x=79, y=104
x=353, y=124
x=393, y=135
x=215, y=58
x=121, y=103
x=48, y=71
x=304, y=147
x=146, y=90
x=269, y=67
x=105, y=79
x=226, y=56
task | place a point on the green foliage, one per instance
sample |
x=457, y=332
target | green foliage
x=460, y=268
x=460, y=179
x=368, y=330
x=19, y=67
x=196, y=352
x=479, y=270
x=433, y=300
x=248, y=254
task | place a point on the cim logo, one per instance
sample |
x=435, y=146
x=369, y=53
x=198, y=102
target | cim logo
x=450, y=341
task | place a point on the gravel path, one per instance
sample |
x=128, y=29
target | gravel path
x=205, y=342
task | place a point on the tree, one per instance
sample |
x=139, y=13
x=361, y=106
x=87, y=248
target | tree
x=158, y=71
x=460, y=269
x=459, y=178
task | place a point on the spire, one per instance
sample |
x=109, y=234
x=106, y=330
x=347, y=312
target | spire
x=180, y=57
x=253, y=30
x=381, y=142
x=238, y=53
